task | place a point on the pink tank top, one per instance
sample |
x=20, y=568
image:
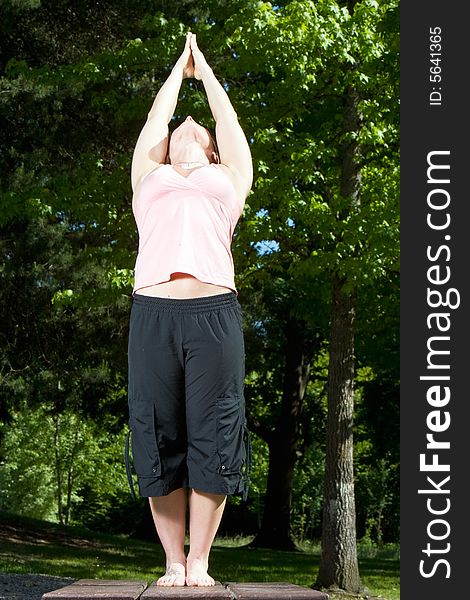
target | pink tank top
x=185, y=225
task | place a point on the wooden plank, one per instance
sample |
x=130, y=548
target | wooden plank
x=105, y=582
x=273, y=591
x=113, y=589
x=102, y=589
x=215, y=592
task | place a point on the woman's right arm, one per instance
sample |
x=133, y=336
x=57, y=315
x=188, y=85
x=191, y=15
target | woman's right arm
x=152, y=144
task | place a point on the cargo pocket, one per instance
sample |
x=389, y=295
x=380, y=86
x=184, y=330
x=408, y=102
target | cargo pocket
x=229, y=435
x=145, y=454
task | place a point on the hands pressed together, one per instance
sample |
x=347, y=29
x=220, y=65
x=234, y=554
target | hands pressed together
x=192, y=61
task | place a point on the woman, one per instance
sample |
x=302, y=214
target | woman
x=186, y=352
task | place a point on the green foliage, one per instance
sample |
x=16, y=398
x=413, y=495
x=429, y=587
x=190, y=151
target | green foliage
x=48, y=457
x=297, y=126
x=27, y=480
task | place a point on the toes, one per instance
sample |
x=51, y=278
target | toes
x=200, y=579
x=170, y=581
x=202, y=582
x=174, y=576
x=167, y=580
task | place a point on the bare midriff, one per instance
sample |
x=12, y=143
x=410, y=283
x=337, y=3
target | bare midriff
x=182, y=285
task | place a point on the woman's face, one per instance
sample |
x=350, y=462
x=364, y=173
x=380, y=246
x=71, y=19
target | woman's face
x=190, y=137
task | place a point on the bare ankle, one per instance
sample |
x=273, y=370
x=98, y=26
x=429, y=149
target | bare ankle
x=199, y=556
x=171, y=559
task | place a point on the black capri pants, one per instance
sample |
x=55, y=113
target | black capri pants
x=186, y=403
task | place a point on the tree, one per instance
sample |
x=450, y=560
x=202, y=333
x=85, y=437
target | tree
x=338, y=565
x=316, y=111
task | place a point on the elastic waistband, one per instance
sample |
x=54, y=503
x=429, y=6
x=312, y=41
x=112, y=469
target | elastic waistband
x=195, y=305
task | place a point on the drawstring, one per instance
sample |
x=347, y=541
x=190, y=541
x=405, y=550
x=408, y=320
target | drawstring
x=127, y=459
x=246, y=486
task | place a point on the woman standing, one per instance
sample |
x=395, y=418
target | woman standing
x=186, y=350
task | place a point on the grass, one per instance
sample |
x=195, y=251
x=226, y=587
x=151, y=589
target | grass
x=30, y=546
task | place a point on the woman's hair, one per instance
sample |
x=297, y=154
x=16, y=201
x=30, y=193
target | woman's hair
x=212, y=138
x=214, y=143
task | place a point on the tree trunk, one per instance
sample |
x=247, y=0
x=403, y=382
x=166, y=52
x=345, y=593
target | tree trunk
x=275, y=529
x=58, y=468
x=70, y=476
x=338, y=563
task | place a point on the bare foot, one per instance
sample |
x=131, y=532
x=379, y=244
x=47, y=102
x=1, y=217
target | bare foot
x=175, y=575
x=197, y=573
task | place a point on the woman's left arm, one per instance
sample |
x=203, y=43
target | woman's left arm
x=233, y=146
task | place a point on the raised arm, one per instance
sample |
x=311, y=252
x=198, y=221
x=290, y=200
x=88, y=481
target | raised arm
x=152, y=144
x=234, y=150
